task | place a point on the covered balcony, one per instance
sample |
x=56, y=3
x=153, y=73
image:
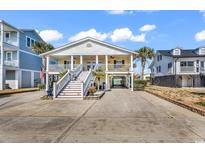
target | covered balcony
x=115, y=63
x=9, y=36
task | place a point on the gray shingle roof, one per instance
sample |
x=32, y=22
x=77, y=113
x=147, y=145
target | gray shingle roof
x=184, y=53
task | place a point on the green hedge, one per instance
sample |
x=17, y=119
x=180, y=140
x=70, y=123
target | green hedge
x=139, y=84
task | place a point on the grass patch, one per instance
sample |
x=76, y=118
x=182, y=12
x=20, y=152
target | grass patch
x=198, y=93
x=200, y=103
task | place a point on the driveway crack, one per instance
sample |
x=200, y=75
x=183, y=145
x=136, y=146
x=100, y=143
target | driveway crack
x=67, y=129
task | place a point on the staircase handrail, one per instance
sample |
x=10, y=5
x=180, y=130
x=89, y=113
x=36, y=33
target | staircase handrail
x=58, y=86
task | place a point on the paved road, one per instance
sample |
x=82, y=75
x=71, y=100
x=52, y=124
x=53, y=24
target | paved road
x=120, y=116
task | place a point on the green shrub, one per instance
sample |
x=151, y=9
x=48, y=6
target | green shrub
x=139, y=84
x=200, y=103
x=41, y=86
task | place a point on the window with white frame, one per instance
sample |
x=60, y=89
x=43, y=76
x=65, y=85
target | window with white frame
x=7, y=36
x=29, y=42
x=8, y=56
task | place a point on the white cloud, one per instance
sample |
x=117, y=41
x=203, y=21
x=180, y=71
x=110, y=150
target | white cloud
x=121, y=34
x=147, y=28
x=200, y=36
x=119, y=12
x=50, y=35
x=139, y=38
x=90, y=33
x=124, y=34
x=203, y=12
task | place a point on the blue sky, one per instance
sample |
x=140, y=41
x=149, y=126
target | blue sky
x=130, y=29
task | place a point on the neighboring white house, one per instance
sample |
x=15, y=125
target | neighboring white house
x=79, y=59
x=179, y=67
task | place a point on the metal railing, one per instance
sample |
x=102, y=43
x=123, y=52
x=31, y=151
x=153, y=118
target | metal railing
x=11, y=63
x=187, y=69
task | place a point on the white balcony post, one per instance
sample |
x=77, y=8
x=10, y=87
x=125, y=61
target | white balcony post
x=96, y=61
x=81, y=60
x=106, y=63
x=71, y=57
x=132, y=81
x=106, y=81
x=2, y=58
x=47, y=70
x=131, y=62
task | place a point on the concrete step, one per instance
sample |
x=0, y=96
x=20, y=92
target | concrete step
x=70, y=94
x=70, y=90
x=68, y=98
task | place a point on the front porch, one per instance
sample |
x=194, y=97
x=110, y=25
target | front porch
x=79, y=62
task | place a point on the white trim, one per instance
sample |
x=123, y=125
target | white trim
x=29, y=53
x=29, y=70
x=86, y=39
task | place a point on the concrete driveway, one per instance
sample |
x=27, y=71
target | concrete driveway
x=120, y=116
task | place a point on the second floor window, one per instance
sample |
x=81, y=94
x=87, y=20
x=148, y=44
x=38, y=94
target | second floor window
x=118, y=63
x=159, y=57
x=29, y=42
x=169, y=65
x=158, y=69
x=7, y=36
x=202, y=64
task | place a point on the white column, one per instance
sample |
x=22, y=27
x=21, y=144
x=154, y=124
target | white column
x=18, y=52
x=96, y=61
x=106, y=81
x=47, y=70
x=81, y=60
x=2, y=59
x=131, y=62
x=32, y=79
x=132, y=81
x=19, y=79
x=106, y=63
x=71, y=65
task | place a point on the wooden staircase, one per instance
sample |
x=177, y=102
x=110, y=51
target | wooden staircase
x=74, y=88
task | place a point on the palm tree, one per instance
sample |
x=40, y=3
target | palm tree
x=42, y=47
x=145, y=53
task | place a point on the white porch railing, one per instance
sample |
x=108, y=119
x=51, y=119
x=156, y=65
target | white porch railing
x=11, y=63
x=58, y=67
x=86, y=84
x=119, y=68
x=77, y=70
x=57, y=87
x=187, y=69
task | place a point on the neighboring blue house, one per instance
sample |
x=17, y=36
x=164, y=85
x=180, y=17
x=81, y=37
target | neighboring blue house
x=20, y=66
